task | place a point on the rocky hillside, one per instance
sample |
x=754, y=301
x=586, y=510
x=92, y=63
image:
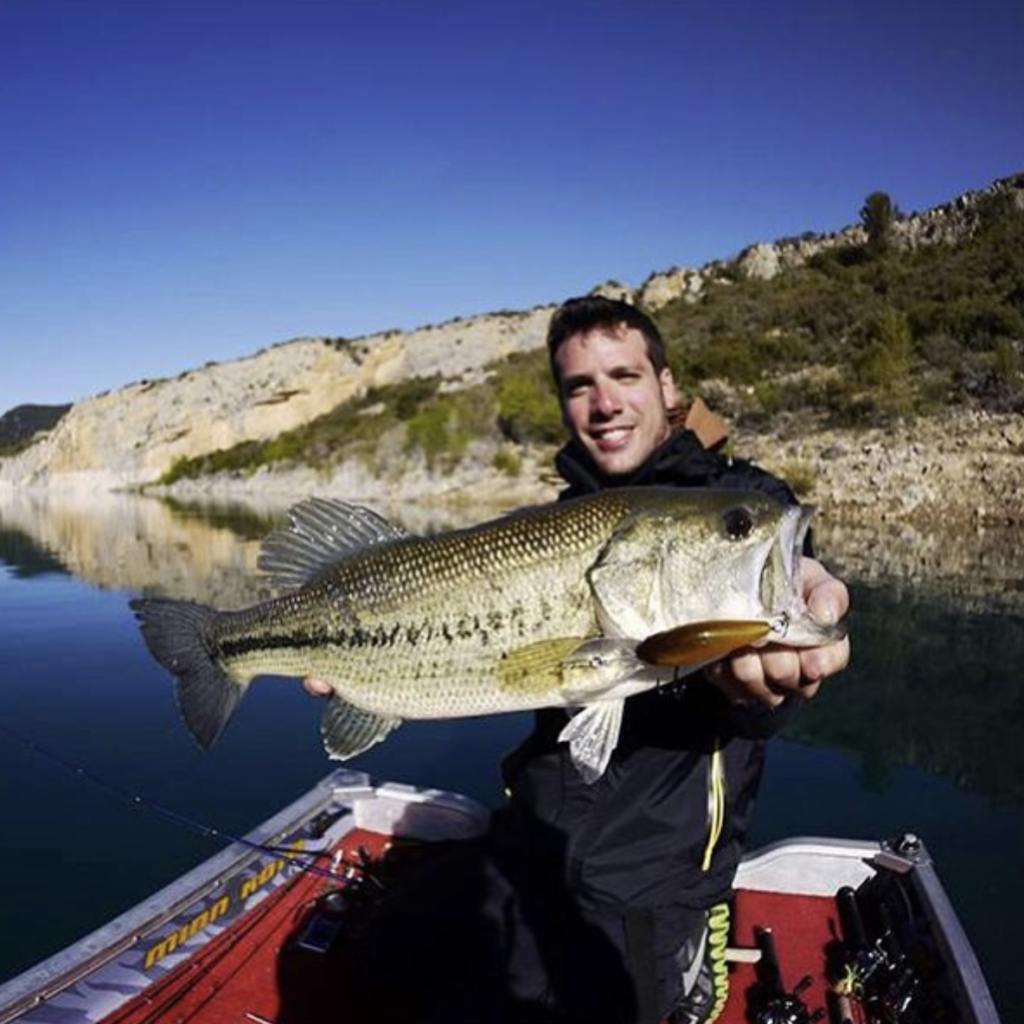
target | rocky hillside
x=955, y=467
x=18, y=426
x=131, y=437
x=946, y=224
x=962, y=469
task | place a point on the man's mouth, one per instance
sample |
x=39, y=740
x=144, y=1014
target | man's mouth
x=612, y=439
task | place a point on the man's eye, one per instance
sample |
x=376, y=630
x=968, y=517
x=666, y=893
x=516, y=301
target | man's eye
x=738, y=523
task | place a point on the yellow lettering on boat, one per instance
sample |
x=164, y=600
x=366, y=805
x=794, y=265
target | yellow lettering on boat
x=267, y=874
x=256, y=882
x=187, y=931
x=249, y=887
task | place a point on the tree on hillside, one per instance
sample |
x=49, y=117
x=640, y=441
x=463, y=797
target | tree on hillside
x=878, y=215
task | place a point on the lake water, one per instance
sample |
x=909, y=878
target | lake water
x=922, y=733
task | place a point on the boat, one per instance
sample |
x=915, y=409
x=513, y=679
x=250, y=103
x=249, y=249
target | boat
x=834, y=929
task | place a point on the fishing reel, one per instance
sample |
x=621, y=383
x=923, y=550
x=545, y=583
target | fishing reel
x=776, y=1005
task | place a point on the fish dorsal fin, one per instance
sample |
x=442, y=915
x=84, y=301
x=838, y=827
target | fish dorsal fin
x=348, y=730
x=320, y=533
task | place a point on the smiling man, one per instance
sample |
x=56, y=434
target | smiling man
x=645, y=857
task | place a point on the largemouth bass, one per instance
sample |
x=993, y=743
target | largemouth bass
x=577, y=604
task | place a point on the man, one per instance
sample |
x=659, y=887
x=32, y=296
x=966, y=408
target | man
x=608, y=901
x=650, y=850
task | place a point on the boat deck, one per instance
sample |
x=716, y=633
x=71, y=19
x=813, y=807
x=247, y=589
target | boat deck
x=288, y=962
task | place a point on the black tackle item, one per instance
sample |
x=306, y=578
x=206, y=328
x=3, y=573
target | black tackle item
x=875, y=969
x=771, y=1003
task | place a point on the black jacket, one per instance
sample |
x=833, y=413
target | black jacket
x=643, y=834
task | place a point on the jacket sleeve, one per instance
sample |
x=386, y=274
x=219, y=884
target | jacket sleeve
x=760, y=722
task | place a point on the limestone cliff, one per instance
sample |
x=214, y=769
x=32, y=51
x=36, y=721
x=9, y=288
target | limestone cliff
x=130, y=437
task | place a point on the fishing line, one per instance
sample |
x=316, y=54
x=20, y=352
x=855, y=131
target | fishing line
x=171, y=815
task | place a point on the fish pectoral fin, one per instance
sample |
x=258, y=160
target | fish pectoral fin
x=348, y=730
x=699, y=643
x=592, y=735
x=537, y=668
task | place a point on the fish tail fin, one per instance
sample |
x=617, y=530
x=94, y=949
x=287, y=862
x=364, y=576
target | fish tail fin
x=176, y=633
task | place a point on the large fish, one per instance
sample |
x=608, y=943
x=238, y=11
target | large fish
x=578, y=604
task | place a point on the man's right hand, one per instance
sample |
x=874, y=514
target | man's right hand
x=317, y=687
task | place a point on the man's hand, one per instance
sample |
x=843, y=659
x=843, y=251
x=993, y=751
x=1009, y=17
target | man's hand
x=317, y=687
x=772, y=673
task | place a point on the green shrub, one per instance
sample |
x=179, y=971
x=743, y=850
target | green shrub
x=801, y=476
x=509, y=461
x=528, y=411
x=1006, y=362
x=443, y=430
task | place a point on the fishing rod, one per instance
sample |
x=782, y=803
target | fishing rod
x=874, y=967
x=160, y=810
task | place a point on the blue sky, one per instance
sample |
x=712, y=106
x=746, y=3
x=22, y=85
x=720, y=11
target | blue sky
x=190, y=181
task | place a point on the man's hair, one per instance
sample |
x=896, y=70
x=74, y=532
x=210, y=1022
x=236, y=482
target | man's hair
x=584, y=314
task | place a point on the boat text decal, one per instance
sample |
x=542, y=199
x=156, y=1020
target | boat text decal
x=229, y=904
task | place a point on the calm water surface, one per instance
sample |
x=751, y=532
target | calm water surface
x=922, y=733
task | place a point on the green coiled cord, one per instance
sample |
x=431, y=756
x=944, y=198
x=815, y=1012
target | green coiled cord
x=718, y=941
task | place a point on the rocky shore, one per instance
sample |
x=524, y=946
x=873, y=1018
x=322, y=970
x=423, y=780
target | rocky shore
x=962, y=469
x=935, y=506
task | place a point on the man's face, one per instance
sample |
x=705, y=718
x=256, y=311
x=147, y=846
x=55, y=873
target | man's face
x=613, y=402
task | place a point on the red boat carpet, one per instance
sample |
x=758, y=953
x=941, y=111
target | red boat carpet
x=263, y=973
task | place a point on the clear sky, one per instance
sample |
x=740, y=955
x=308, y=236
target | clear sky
x=194, y=180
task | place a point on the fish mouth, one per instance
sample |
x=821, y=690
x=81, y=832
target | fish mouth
x=782, y=592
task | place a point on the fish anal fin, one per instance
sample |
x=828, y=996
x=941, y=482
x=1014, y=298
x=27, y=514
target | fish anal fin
x=348, y=730
x=592, y=735
x=698, y=643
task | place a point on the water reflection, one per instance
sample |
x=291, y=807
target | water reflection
x=122, y=542
x=209, y=551
x=979, y=569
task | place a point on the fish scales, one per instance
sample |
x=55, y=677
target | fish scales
x=425, y=622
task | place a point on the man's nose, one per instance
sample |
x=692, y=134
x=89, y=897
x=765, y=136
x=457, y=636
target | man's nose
x=607, y=400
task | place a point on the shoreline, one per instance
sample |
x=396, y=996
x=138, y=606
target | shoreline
x=957, y=469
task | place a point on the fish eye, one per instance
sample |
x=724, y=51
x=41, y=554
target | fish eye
x=738, y=523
